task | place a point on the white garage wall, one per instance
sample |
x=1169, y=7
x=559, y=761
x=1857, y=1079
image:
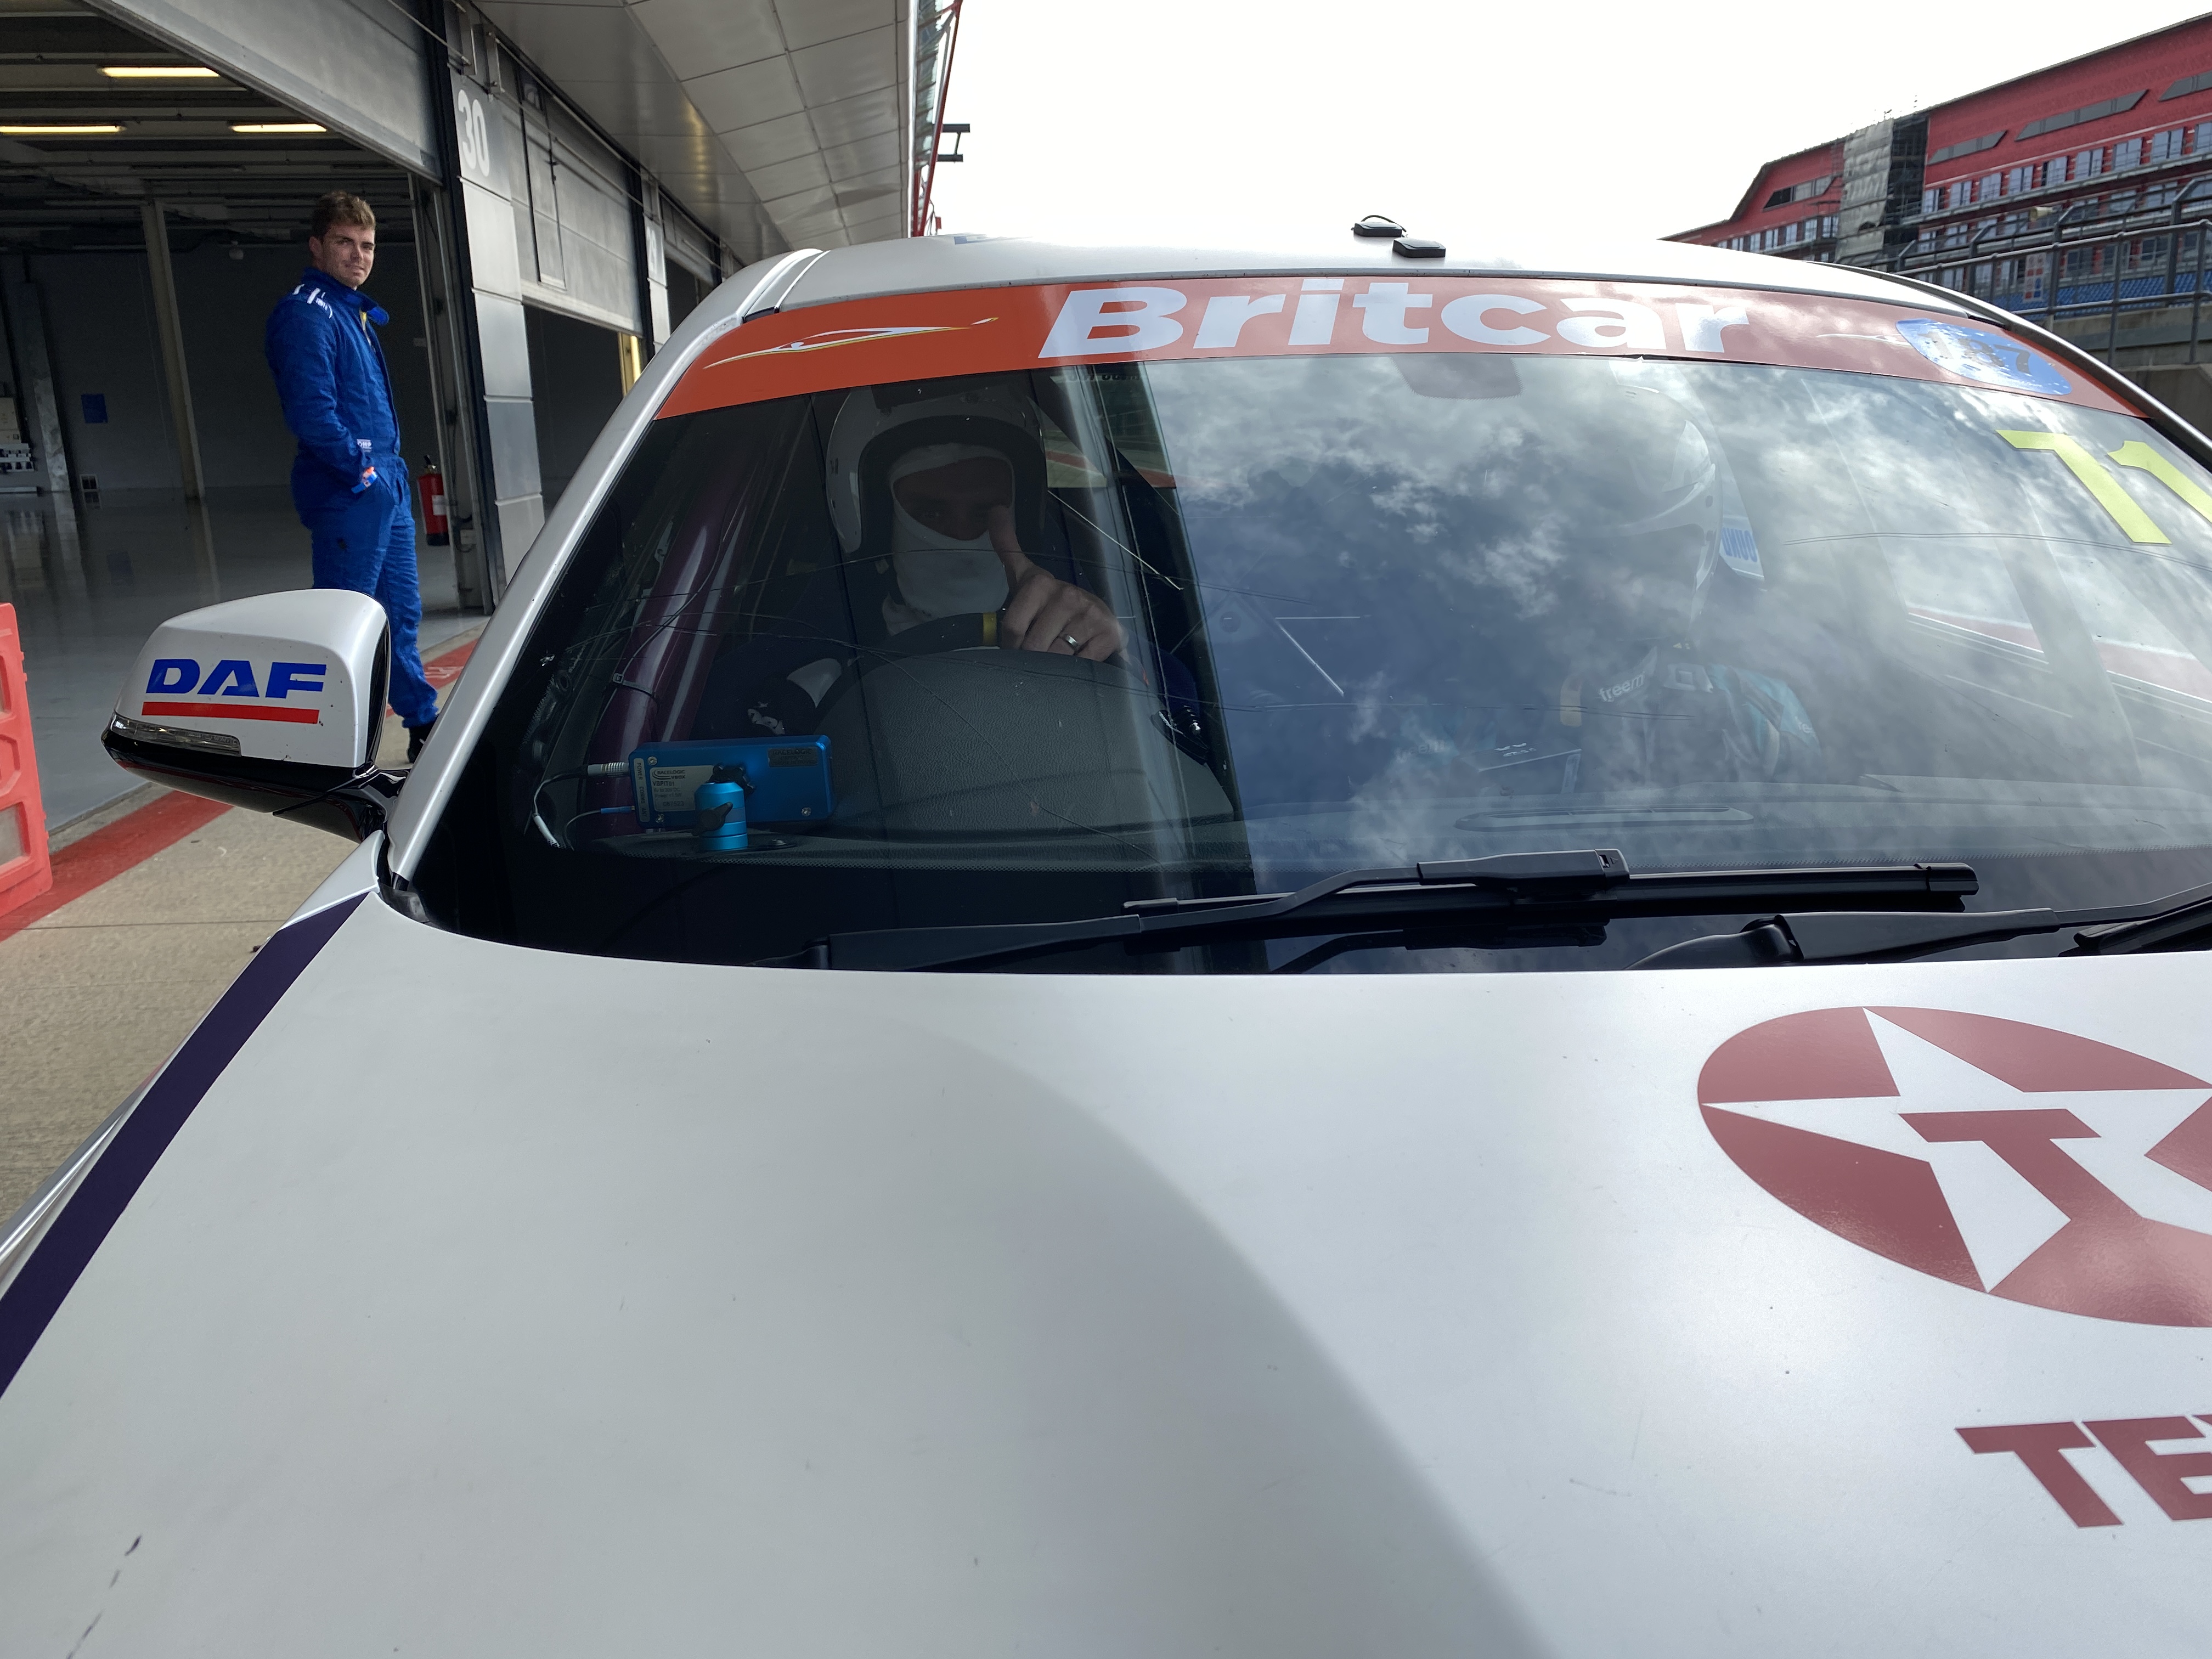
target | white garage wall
x=355, y=66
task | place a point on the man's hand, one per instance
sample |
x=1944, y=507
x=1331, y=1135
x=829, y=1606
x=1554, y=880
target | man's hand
x=1044, y=613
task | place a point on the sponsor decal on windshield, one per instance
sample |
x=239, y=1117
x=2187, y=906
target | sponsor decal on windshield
x=1986, y=355
x=912, y=336
x=2009, y=1159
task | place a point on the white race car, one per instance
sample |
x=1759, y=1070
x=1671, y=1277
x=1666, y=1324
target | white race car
x=785, y=1139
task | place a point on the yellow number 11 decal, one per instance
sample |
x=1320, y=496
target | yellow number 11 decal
x=2142, y=457
x=2097, y=479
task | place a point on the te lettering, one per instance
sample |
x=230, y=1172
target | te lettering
x=2164, y=1476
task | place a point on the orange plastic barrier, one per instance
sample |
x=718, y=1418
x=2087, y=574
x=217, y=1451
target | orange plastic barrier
x=26, y=871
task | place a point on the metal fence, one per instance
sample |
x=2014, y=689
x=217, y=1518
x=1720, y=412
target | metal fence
x=2070, y=272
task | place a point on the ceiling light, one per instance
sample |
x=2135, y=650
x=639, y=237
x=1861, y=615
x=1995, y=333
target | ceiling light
x=278, y=126
x=59, y=130
x=157, y=72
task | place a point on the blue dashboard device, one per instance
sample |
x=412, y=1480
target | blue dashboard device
x=786, y=779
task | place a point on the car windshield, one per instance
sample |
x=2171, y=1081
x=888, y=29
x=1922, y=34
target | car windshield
x=1031, y=644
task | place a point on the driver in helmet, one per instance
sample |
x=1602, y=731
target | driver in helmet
x=938, y=504
x=954, y=552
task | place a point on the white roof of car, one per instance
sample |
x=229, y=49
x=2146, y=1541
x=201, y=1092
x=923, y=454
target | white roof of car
x=971, y=261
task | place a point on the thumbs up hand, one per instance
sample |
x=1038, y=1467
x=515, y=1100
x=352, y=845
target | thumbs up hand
x=1043, y=613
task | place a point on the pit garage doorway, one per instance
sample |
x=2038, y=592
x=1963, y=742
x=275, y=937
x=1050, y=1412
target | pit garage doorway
x=686, y=289
x=576, y=381
x=152, y=211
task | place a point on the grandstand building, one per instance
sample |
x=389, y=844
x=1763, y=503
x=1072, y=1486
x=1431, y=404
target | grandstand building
x=2077, y=194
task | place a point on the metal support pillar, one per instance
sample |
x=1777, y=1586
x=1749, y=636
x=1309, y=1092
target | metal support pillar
x=486, y=258
x=2197, y=291
x=453, y=445
x=169, y=323
x=651, y=238
x=201, y=530
x=35, y=383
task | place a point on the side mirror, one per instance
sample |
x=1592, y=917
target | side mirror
x=275, y=703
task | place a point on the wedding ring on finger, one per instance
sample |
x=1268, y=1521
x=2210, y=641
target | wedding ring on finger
x=1073, y=643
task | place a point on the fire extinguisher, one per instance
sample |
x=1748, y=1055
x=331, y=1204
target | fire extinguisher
x=432, y=484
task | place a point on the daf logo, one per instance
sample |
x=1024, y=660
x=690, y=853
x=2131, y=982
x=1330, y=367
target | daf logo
x=233, y=678
x=177, y=686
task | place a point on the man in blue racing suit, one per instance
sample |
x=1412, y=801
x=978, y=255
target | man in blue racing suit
x=347, y=482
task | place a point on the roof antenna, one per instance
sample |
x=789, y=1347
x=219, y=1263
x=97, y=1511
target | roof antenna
x=1377, y=224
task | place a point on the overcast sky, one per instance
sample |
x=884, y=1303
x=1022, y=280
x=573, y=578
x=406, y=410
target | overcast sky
x=1107, y=119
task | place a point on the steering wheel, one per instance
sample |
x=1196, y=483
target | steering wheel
x=964, y=630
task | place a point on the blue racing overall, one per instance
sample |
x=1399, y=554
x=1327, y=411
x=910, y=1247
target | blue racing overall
x=347, y=482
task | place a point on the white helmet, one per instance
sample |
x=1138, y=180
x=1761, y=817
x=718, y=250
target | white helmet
x=995, y=415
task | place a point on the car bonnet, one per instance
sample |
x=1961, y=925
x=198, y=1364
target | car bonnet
x=632, y=1304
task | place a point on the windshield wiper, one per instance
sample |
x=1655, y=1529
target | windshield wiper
x=1880, y=936
x=1533, y=886
x=2173, y=920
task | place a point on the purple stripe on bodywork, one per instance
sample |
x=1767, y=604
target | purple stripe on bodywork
x=46, y=1279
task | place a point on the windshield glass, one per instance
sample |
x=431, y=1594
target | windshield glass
x=1031, y=644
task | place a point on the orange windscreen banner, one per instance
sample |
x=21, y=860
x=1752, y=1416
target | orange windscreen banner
x=918, y=337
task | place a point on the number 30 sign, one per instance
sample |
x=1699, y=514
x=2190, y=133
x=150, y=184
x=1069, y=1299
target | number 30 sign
x=472, y=134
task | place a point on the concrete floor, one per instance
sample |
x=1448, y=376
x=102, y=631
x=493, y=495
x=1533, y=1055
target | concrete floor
x=96, y=994
x=89, y=591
